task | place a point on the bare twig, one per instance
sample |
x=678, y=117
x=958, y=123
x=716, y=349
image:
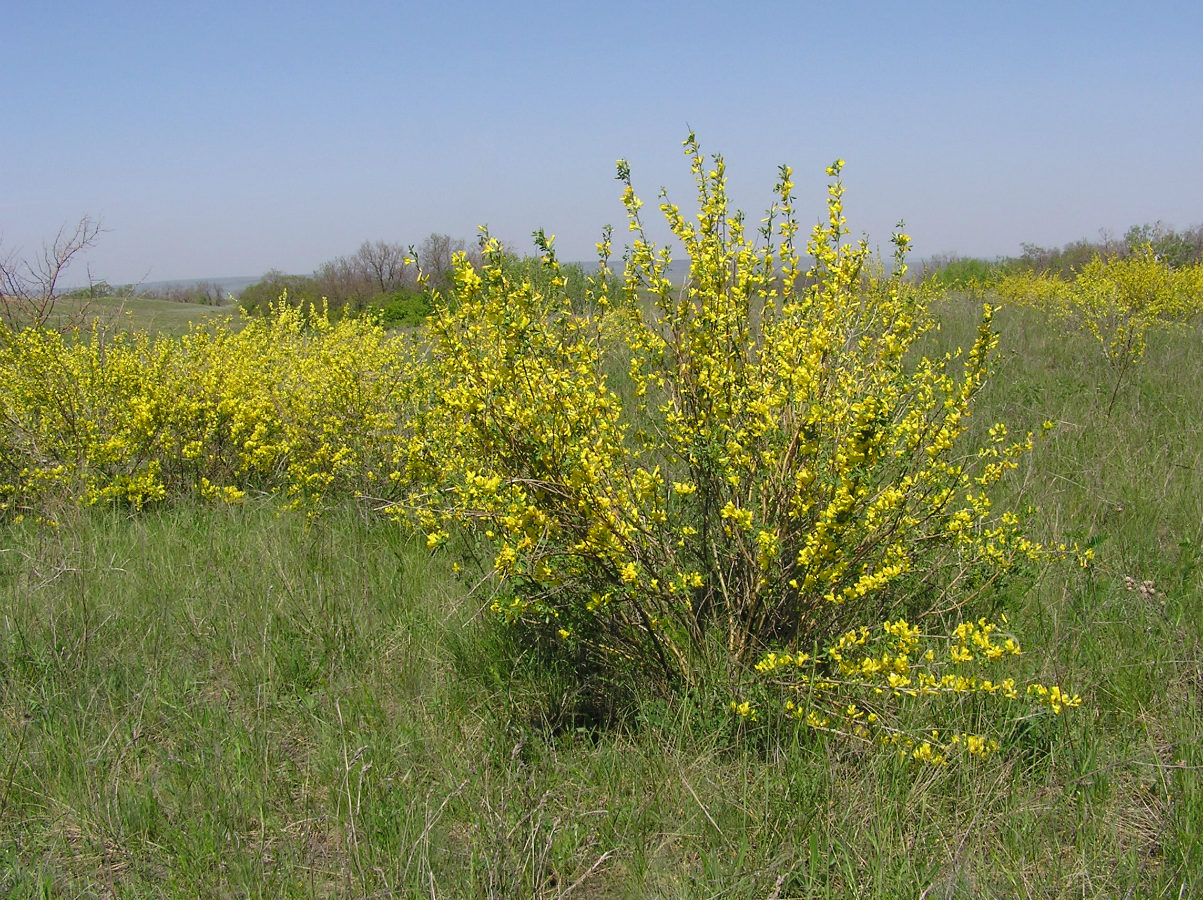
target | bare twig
x=29, y=289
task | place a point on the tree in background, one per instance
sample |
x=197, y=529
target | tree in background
x=394, y=281
x=258, y=298
x=1176, y=249
x=385, y=264
x=29, y=288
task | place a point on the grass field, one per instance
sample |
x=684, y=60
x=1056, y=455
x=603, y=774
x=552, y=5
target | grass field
x=228, y=701
x=153, y=314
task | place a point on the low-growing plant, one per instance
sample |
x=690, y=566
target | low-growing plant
x=759, y=463
x=864, y=685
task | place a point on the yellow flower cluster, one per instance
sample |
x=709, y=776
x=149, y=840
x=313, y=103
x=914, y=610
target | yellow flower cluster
x=1054, y=697
x=862, y=685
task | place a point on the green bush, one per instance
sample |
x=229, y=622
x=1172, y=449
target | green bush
x=403, y=308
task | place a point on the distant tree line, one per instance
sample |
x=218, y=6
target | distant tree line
x=382, y=279
x=202, y=293
x=1177, y=248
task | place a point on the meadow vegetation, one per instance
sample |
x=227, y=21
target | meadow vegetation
x=797, y=579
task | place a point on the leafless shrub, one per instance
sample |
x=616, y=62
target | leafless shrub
x=29, y=287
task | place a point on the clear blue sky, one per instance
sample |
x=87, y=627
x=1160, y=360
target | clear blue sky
x=227, y=138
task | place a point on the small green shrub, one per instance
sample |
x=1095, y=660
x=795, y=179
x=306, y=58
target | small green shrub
x=403, y=308
x=966, y=274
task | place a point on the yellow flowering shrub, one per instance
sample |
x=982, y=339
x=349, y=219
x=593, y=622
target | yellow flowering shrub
x=292, y=403
x=297, y=402
x=1115, y=300
x=671, y=480
x=759, y=460
x=81, y=417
